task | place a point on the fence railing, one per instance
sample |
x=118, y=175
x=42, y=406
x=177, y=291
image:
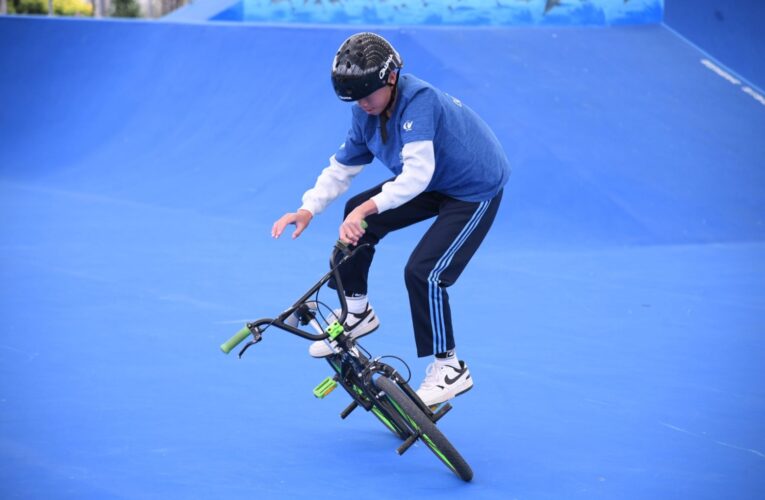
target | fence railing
x=94, y=8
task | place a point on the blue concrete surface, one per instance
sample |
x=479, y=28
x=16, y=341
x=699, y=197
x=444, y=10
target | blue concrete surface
x=613, y=320
x=730, y=30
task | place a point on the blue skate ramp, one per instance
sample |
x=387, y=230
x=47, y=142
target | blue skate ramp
x=613, y=320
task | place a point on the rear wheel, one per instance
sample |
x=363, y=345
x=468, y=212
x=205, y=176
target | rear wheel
x=419, y=423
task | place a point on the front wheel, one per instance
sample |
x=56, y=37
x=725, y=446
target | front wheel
x=354, y=390
x=427, y=430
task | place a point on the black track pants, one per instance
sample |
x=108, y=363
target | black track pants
x=436, y=262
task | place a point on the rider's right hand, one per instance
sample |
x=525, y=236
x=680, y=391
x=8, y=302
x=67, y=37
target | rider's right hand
x=300, y=219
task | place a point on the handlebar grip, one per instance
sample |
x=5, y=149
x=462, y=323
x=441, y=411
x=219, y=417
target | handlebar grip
x=364, y=225
x=234, y=341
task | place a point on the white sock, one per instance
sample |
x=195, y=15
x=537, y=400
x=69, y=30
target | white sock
x=451, y=360
x=357, y=305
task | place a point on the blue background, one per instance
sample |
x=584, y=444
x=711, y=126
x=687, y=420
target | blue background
x=613, y=320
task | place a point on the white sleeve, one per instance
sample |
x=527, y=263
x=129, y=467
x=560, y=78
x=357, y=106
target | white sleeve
x=332, y=182
x=419, y=165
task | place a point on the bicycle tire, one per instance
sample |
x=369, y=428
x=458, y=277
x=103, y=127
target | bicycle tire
x=383, y=414
x=429, y=433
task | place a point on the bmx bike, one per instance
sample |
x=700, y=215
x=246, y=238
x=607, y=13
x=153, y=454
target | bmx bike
x=372, y=384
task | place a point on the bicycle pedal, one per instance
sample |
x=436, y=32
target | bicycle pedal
x=325, y=387
x=440, y=410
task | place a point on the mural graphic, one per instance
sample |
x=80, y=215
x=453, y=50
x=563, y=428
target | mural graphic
x=456, y=12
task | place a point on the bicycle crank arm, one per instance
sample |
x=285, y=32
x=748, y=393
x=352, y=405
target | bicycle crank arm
x=407, y=444
x=349, y=409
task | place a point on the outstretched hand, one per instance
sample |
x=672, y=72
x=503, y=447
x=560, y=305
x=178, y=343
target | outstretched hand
x=300, y=219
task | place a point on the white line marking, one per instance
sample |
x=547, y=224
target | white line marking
x=740, y=448
x=727, y=445
x=757, y=97
x=721, y=72
x=733, y=80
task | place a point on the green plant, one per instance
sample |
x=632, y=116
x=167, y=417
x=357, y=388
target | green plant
x=60, y=7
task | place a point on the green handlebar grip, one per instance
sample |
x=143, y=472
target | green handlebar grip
x=364, y=225
x=235, y=340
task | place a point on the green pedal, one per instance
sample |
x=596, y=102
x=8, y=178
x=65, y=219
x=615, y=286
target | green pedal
x=327, y=385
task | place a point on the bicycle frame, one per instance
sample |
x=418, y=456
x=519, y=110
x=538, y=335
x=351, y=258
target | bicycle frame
x=371, y=384
x=367, y=367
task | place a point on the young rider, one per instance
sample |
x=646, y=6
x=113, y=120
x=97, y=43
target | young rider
x=447, y=164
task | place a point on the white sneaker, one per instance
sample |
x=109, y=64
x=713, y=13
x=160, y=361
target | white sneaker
x=356, y=325
x=443, y=382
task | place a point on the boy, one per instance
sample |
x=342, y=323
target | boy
x=447, y=164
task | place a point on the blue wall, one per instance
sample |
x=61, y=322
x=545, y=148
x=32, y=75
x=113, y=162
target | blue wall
x=732, y=31
x=590, y=119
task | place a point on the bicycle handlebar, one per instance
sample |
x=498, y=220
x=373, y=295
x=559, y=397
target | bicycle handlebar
x=235, y=340
x=245, y=332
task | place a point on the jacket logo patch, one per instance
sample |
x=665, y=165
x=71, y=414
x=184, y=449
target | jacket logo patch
x=408, y=125
x=456, y=101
